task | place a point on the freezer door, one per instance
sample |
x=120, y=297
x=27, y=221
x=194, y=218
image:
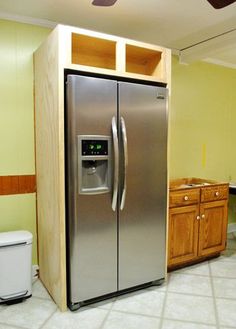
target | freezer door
x=92, y=224
x=143, y=188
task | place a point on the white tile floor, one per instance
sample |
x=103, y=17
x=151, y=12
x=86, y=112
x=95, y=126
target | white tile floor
x=202, y=296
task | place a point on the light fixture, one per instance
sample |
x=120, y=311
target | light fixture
x=104, y=3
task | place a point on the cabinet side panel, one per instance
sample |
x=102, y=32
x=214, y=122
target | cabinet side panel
x=49, y=119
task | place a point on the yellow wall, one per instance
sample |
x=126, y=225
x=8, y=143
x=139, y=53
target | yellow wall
x=202, y=121
x=17, y=44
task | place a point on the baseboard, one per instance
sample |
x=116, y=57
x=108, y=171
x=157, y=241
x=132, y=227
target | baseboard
x=231, y=228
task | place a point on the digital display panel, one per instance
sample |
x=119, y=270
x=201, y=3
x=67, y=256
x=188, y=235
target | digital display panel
x=94, y=147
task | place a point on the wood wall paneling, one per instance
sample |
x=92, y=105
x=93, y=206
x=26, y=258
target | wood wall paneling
x=18, y=184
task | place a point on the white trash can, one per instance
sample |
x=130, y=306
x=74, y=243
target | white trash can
x=15, y=266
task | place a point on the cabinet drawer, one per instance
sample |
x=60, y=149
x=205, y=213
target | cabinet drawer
x=214, y=193
x=184, y=197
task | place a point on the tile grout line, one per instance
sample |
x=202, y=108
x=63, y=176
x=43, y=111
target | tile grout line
x=45, y=321
x=138, y=314
x=214, y=297
x=43, y=298
x=13, y=326
x=166, y=318
x=208, y=276
x=164, y=301
x=197, y=295
x=190, y=322
x=106, y=317
x=177, y=273
x=220, y=260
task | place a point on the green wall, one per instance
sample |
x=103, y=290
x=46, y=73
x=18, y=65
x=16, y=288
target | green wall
x=17, y=44
x=202, y=121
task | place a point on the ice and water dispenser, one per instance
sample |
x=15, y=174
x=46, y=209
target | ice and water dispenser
x=94, y=164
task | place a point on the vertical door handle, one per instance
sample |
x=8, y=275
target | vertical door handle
x=116, y=163
x=125, y=147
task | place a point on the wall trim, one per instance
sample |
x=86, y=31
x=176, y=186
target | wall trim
x=219, y=62
x=232, y=228
x=20, y=184
x=27, y=20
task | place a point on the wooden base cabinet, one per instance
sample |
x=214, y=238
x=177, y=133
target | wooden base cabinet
x=197, y=229
x=183, y=234
x=212, y=227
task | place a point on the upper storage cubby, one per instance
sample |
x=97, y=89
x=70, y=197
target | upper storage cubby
x=100, y=53
x=93, y=51
x=143, y=61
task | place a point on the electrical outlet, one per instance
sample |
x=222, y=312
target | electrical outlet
x=35, y=272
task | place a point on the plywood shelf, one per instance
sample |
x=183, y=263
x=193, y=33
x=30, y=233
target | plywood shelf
x=91, y=51
x=143, y=61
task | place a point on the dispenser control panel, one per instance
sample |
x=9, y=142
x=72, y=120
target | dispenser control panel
x=94, y=147
x=94, y=164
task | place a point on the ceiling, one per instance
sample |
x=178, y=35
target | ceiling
x=182, y=25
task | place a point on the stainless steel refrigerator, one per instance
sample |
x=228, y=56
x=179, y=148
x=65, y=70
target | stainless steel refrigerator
x=116, y=137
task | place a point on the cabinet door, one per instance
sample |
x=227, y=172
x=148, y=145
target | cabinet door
x=183, y=234
x=213, y=227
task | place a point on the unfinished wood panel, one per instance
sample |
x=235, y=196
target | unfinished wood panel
x=81, y=50
x=91, y=51
x=183, y=234
x=184, y=197
x=143, y=61
x=100, y=53
x=213, y=227
x=187, y=182
x=27, y=184
x=49, y=118
x=20, y=184
x=9, y=185
x=215, y=193
x=120, y=57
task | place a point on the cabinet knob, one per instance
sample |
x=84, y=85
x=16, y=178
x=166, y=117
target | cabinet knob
x=203, y=216
x=198, y=217
x=217, y=193
x=186, y=198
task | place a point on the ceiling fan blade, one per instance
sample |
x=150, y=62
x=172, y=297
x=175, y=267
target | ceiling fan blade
x=104, y=3
x=217, y=4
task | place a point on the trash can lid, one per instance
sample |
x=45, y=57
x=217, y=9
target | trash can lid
x=15, y=237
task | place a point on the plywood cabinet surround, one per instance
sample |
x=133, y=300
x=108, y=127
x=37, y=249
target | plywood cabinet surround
x=198, y=218
x=93, y=53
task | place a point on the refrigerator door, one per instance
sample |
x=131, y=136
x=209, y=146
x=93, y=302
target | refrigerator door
x=92, y=224
x=143, y=188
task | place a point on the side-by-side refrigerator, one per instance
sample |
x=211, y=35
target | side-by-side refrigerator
x=116, y=186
